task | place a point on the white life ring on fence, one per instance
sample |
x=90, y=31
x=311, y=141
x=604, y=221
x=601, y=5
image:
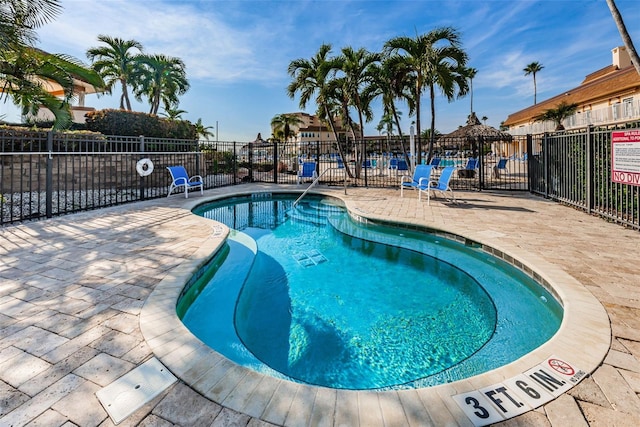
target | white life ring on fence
x=144, y=167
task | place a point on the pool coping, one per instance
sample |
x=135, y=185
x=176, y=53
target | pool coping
x=585, y=325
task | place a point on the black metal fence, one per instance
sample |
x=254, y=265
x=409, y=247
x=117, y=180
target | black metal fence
x=43, y=174
x=575, y=168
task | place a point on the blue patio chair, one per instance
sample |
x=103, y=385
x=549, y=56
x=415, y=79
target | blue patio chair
x=307, y=170
x=469, y=169
x=435, y=162
x=500, y=167
x=180, y=178
x=421, y=178
x=442, y=185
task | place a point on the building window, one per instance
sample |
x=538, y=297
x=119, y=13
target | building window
x=627, y=107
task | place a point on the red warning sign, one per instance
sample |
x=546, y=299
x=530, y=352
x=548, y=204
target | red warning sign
x=561, y=366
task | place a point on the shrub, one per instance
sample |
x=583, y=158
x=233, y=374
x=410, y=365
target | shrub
x=129, y=123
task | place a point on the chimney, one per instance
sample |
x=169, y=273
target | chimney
x=621, y=57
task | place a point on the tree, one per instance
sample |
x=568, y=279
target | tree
x=626, y=38
x=558, y=114
x=437, y=61
x=356, y=67
x=117, y=62
x=160, y=78
x=282, y=123
x=202, y=130
x=173, y=113
x=26, y=71
x=484, y=119
x=311, y=79
x=532, y=69
x=471, y=73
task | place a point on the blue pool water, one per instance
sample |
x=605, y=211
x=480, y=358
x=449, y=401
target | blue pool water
x=308, y=294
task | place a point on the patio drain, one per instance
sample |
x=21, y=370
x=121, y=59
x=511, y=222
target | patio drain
x=130, y=392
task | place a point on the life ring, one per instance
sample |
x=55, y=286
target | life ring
x=144, y=167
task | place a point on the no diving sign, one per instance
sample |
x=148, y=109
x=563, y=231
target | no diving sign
x=625, y=156
x=521, y=393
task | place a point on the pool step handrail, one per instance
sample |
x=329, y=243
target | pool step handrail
x=315, y=181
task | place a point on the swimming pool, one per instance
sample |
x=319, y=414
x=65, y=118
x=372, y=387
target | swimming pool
x=406, y=327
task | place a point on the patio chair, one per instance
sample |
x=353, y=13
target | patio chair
x=442, y=185
x=421, y=178
x=307, y=170
x=180, y=178
x=435, y=162
x=499, y=167
x=469, y=170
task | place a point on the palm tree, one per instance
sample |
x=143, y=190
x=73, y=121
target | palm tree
x=202, y=130
x=160, y=78
x=436, y=60
x=471, y=73
x=173, y=113
x=25, y=70
x=533, y=68
x=558, y=114
x=626, y=38
x=356, y=67
x=117, y=62
x=311, y=78
x=484, y=119
x=282, y=123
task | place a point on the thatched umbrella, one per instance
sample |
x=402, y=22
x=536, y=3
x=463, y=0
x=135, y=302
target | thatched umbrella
x=473, y=131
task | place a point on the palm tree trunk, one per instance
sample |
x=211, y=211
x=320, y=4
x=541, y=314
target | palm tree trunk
x=335, y=135
x=124, y=99
x=432, y=137
x=626, y=38
x=418, y=140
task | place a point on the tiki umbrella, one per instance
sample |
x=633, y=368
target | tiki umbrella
x=473, y=132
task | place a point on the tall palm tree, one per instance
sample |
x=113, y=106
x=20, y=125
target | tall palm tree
x=436, y=59
x=356, y=67
x=532, y=69
x=311, y=78
x=626, y=38
x=471, y=73
x=117, y=62
x=160, y=78
x=282, y=124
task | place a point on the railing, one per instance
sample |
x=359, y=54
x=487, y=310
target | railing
x=314, y=183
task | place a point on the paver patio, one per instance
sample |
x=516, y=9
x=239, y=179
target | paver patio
x=72, y=290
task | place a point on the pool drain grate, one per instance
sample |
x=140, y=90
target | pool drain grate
x=130, y=392
x=310, y=258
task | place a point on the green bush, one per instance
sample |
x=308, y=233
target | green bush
x=130, y=123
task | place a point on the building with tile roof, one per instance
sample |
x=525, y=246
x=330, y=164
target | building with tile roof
x=607, y=96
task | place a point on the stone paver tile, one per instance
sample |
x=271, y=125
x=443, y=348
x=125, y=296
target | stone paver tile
x=392, y=411
x=138, y=354
x=369, y=409
x=301, y=407
x=81, y=406
x=632, y=378
x=9, y=353
x=597, y=416
x=186, y=407
x=123, y=322
x=528, y=419
x=230, y=418
x=103, y=369
x=49, y=376
x=323, y=408
x=155, y=421
x=587, y=390
x=48, y=418
x=617, y=390
x=622, y=360
x=116, y=343
x=564, y=411
x=35, y=340
x=254, y=422
x=75, y=344
x=278, y=407
x=21, y=368
x=346, y=411
x=41, y=402
x=59, y=322
x=10, y=398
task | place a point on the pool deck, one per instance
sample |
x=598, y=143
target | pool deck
x=86, y=298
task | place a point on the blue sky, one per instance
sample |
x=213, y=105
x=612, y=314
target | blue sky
x=237, y=52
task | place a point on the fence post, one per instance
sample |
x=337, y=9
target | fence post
x=529, y=162
x=49, y=177
x=275, y=162
x=545, y=164
x=196, y=145
x=480, y=163
x=235, y=163
x=589, y=171
x=141, y=137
